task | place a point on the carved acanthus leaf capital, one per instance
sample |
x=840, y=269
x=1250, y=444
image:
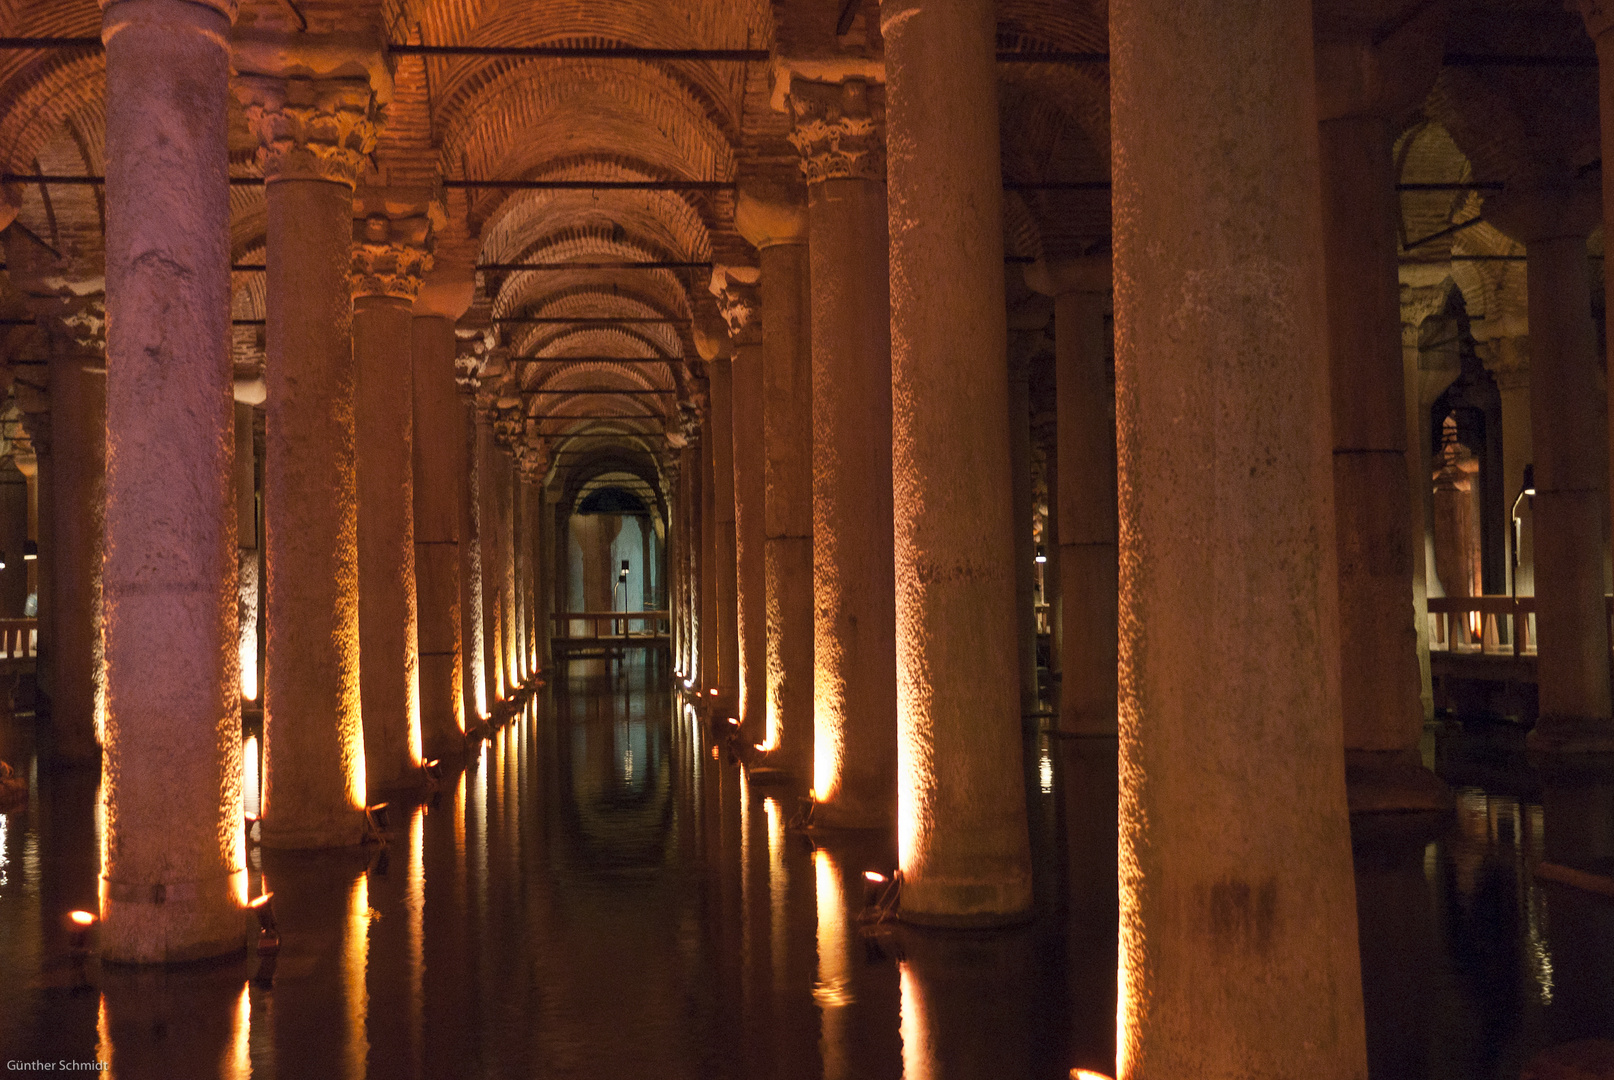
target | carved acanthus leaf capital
x=839, y=129
x=311, y=129
x=390, y=257
x=739, y=300
x=532, y=461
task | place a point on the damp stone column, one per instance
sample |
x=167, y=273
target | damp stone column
x=390, y=256
x=723, y=569
x=487, y=531
x=774, y=219
x=962, y=841
x=1084, y=502
x=313, y=111
x=472, y=661
x=1238, y=950
x=838, y=128
x=1380, y=684
x=739, y=301
x=173, y=871
x=1569, y=435
x=439, y=477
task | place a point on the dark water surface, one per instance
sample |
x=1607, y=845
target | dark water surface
x=599, y=895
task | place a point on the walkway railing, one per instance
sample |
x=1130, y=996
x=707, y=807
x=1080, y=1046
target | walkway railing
x=611, y=625
x=19, y=639
x=1488, y=625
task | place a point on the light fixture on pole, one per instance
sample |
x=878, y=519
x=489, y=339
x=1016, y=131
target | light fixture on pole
x=1526, y=491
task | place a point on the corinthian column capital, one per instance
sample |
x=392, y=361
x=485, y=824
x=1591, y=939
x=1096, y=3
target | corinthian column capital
x=839, y=129
x=391, y=257
x=738, y=291
x=311, y=129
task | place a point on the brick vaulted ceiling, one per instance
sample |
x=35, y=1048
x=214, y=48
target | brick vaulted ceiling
x=525, y=118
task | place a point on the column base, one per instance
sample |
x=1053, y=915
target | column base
x=965, y=905
x=833, y=818
x=1572, y=735
x=335, y=834
x=1393, y=781
x=176, y=922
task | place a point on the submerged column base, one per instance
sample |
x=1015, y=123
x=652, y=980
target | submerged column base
x=141, y=919
x=1392, y=781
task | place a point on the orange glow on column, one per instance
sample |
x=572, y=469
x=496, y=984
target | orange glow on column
x=829, y=735
x=916, y=781
x=1131, y=998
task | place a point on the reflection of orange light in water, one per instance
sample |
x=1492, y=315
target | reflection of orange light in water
x=778, y=880
x=103, y=1038
x=238, y=1066
x=417, y=930
x=831, y=990
x=915, y=1032
x=355, y=958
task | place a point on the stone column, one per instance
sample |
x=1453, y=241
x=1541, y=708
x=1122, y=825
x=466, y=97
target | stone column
x=1571, y=460
x=1024, y=546
x=775, y=221
x=439, y=476
x=962, y=840
x=739, y=301
x=1378, y=659
x=1238, y=925
x=76, y=327
x=473, y=663
x=719, y=448
x=838, y=131
x=509, y=612
x=390, y=255
x=706, y=568
x=487, y=533
x=316, y=133
x=1085, y=496
x=1518, y=450
x=173, y=870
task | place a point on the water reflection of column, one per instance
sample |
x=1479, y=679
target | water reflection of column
x=831, y=990
x=416, y=907
x=1396, y=929
x=1578, y=835
x=778, y=883
x=355, y=958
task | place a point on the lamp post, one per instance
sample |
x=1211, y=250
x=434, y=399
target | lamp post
x=1528, y=490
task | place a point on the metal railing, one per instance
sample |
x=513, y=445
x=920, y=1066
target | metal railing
x=611, y=625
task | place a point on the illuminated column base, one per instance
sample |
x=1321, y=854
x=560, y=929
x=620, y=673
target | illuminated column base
x=1237, y=900
x=173, y=875
x=962, y=838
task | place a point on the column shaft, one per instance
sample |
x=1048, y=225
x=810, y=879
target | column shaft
x=439, y=475
x=173, y=872
x=787, y=378
x=490, y=579
x=710, y=676
x=725, y=534
x=750, y=531
x=314, y=778
x=1379, y=680
x=854, y=652
x=384, y=438
x=1024, y=543
x=1237, y=904
x=962, y=840
x=1569, y=436
x=478, y=696
x=509, y=613
x=78, y=431
x=248, y=591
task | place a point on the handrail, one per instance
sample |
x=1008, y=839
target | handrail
x=618, y=624
x=1481, y=630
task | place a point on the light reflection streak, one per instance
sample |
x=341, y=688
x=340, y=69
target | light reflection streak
x=831, y=990
x=249, y=775
x=416, y=901
x=103, y=1040
x=915, y=1032
x=5, y=859
x=1045, y=769
x=237, y=1064
x=777, y=882
x=745, y=869
x=355, y=958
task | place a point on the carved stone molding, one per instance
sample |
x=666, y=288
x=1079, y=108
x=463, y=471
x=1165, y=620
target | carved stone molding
x=74, y=323
x=739, y=300
x=532, y=461
x=390, y=257
x=839, y=130
x=311, y=129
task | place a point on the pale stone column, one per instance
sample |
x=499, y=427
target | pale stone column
x=774, y=220
x=473, y=661
x=739, y=301
x=724, y=568
x=1083, y=491
x=439, y=476
x=487, y=533
x=962, y=841
x=1518, y=450
x=1238, y=922
x=1380, y=682
x=173, y=870
x=390, y=256
x=838, y=129
x=316, y=133
x=1571, y=460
